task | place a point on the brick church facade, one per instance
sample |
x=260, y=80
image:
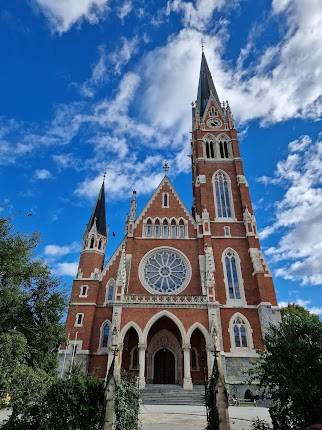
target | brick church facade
x=181, y=284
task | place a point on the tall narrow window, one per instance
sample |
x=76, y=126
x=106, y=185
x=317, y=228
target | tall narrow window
x=83, y=291
x=79, y=320
x=92, y=242
x=105, y=335
x=222, y=192
x=240, y=333
x=157, y=228
x=173, y=229
x=232, y=275
x=182, y=229
x=207, y=150
x=212, y=150
x=100, y=244
x=165, y=229
x=148, y=228
x=110, y=290
x=165, y=200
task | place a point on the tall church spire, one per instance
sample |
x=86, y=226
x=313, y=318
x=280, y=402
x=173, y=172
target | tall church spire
x=206, y=87
x=98, y=216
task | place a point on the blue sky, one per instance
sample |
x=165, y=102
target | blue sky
x=107, y=85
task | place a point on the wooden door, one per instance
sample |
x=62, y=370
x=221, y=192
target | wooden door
x=164, y=367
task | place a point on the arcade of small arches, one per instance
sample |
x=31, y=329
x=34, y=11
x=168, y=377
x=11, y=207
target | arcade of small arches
x=165, y=353
x=165, y=228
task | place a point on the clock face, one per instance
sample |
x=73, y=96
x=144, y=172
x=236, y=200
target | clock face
x=214, y=123
x=165, y=271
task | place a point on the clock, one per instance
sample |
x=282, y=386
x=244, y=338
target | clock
x=214, y=123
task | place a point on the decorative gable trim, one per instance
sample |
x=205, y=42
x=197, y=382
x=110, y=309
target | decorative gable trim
x=112, y=259
x=213, y=100
x=165, y=180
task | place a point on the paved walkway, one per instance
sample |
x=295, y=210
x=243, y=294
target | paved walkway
x=174, y=417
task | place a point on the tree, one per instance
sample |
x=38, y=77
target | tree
x=30, y=300
x=290, y=369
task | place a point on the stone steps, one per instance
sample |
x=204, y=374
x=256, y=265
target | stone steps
x=172, y=395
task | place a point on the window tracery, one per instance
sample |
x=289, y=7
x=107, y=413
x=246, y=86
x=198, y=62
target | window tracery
x=105, y=334
x=222, y=193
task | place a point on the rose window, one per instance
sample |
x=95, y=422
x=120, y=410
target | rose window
x=165, y=271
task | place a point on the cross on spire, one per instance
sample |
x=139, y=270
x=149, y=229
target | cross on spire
x=166, y=167
x=202, y=44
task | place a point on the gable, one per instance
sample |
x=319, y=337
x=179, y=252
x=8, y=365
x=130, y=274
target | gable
x=155, y=208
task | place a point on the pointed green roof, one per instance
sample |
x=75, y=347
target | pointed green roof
x=206, y=86
x=99, y=214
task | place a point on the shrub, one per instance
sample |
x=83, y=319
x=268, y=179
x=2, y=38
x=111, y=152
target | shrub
x=127, y=403
x=258, y=424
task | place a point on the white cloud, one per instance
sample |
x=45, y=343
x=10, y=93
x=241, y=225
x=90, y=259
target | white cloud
x=62, y=14
x=59, y=251
x=125, y=9
x=282, y=82
x=98, y=76
x=298, y=214
x=123, y=54
x=305, y=304
x=196, y=14
x=66, y=269
x=122, y=178
x=42, y=174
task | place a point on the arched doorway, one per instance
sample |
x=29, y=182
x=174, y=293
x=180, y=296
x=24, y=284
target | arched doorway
x=130, y=352
x=164, y=367
x=198, y=357
x=165, y=336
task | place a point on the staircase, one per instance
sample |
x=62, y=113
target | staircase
x=155, y=394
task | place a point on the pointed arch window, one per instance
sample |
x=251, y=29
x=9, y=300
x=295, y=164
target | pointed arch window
x=91, y=245
x=100, y=244
x=210, y=145
x=157, y=228
x=173, y=229
x=110, y=291
x=165, y=229
x=105, y=334
x=149, y=228
x=232, y=271
x=222, y=195
x=165, y=200
x=240, y=333
x=182, y=229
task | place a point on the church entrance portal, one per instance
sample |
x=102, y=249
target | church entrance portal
x=164, y=367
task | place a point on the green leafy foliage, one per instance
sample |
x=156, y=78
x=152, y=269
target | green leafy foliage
x=42, y=402
x=290, y=370
x=258, y=424
x=127, y=403
x=30, y=300
x=13, y=352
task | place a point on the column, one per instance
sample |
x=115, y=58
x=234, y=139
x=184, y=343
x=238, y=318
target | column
x=187, y=382
x=142, y=349
x=210, y=359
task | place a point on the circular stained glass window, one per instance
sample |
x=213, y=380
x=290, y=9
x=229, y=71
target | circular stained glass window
x=165, y=271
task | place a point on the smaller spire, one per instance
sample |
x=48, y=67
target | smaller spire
x=98, y=216
x=132, y=215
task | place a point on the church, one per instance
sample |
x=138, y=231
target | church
x=183, y=285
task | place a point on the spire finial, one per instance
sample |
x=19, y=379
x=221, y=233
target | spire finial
x=104, y=176
x=202, y=45
x=166, y=167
